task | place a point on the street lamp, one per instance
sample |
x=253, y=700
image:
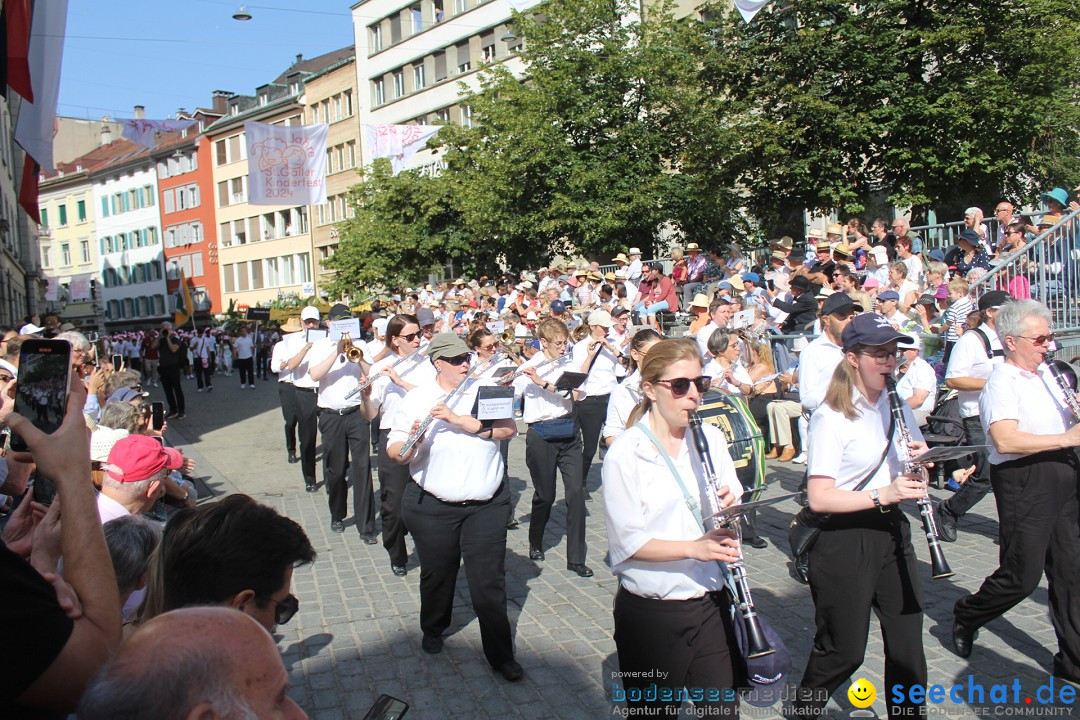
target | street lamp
x=241, y=14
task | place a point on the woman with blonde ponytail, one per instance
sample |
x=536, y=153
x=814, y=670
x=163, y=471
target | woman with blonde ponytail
x=672, y=610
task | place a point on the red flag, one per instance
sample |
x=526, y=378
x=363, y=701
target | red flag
x=18, y=14
x=28, y=190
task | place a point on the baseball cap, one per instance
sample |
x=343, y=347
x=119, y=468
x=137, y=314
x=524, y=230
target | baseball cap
x=446, y=345
x=751, y=277
x=340, y=311
x=994, y=299
x=936, y=254
x=601, y=318
x=942, y=292
x=425, y=317
x=619, y=311
x=889, y=295
x=839, y=302
x=125, y=394
x=764, y=674
x=558, y=306
x=869, y=329
x=310, y=313
x=909, y=342
x=30, y=329
x=138, y=457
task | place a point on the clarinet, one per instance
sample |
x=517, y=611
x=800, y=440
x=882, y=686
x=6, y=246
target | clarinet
x=1055, y=368
x=757, y=643
x=939, y=566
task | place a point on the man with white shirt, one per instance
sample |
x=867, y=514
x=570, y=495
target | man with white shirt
x=973, y=359
x=596, y=356
x=134, y=476
x=820, y=358
x=720, y=312
x=917, y=382
x=279, y=360
x=634, y=269
x=345, y=432
x=306, y=390
x=887, y=307
x=244, y=347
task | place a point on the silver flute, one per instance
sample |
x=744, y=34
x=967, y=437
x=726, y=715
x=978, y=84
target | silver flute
x=375, y=376
x=939, y=566
x=415, y=436
x=518, y=373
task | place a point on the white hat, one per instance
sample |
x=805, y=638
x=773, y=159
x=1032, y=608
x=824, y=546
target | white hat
x=310, y=313
x=10, y=368
x=102, y=441
x=633, y=251
x=800, y=344
x=879, y=250
x=30, y=329
x=601, y=318
x=824, y=293
x=380, y=325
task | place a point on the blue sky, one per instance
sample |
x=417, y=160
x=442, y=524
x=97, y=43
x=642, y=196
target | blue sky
x=171, y=54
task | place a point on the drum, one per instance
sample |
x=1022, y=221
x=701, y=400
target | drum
x=746, y=442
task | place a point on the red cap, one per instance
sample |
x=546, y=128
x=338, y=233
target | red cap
x=138, y=457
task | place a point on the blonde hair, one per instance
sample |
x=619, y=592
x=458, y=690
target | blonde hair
x=958, y=285
x=552, y=330
x=659, y=357
x=842, y=386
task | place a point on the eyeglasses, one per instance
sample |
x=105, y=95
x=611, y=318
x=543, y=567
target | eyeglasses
x=1039, y=339
x=1002, y=210
x=283, y=609
x=411, y=336
x=1013, y=232
x=681, y=386
x=458, y=360
x=881, y=357
x=487, y=347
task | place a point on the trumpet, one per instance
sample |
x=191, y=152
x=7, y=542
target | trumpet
x=757, y=643
x=939, y=566
x=372, y=378
x=352, y=353
x=426, y=422
x=507, y=337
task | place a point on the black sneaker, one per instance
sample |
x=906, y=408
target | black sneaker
x=369, y=538
x=536, y=554
x=946, y=523
x=337, y=526
x=511, y=670
x=311, y=487
x=431, y=644
x=293, y=459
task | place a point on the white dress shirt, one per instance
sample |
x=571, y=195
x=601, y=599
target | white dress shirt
x=245, y=347
x=716, y=371
x=846, y=450
x=386, y=395
x=968, y=359
x=341, y=379
x=278, y=357
x=623, y=400
x=541, y=404
x=633, y=272
x=1034, y=400
x=816, y=367
x=643, y=501
x=602, y=377
x=450, y=463
x=702, y=338
x=920, y=376
x=300, y=376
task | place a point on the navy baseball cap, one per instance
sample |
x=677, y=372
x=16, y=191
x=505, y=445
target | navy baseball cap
x=765, y=674
x=838, y=303
x=558, y=306
x=994, y=299
x=889, y=295
x=936, y=254
x=869, y=329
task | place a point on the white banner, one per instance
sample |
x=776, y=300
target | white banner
x=286, y=164
x=749, y=8
x=144, y=132
x=80, y=287
x=523, y=5
x=52, y=289
x=36, y=126
x=397, y=143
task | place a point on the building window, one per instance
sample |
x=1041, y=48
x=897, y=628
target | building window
x=399, y=84
x=45, y=261
x=347, y=96
x=44, y=218
x=443, y=115
x=440, y=66
x=460, y=6
x=438, y=12
x=488, y=53
x=63, y=215
x=464, y=63
x=376, y=37
x=379, y=93
x=417, y=19
x=418, y=77
x=84, y=251
x=65, y=254
x=228, y=273
x=81, y=210
x=466, y=116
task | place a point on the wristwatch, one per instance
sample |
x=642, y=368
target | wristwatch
x=877, y=501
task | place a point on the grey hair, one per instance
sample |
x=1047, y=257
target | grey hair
x=77, y=339
x=134, y=689
x=899, y=266
x=719, y=340
x=131, y=540
x=1011, y=316
x=120, y=416
x=123, y=378
x=135, y=488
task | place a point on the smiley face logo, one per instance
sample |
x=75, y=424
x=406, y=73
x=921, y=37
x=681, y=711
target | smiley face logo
x=862, y=693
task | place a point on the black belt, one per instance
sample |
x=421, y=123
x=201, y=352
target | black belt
x=461, y=503
x=343, y=411
x=305, y=389
x=603, y=397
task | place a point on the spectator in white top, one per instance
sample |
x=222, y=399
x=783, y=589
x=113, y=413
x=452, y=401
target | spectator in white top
x=634, y=270
x=917, y=383
x=720, y=312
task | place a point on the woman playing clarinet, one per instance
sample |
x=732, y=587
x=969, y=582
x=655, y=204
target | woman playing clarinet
x=673, y=625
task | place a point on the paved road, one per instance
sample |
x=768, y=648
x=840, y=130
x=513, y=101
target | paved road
x=357, y=634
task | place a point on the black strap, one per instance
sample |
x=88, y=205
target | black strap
x=884, y=454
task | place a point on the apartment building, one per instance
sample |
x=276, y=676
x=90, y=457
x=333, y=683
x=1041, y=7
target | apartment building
x=66, y=240
x=411, y=56
x=330, y=97
x=21, y=286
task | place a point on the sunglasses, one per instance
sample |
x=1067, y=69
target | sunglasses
x=457, y=360
x=681, y=386
x=411, y=336
x=1040, y=339
x=284, y=609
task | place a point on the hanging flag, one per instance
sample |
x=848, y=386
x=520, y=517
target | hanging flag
x=185, y=308
x=80, y=287
x=17, y=15
x=36, y=125
x=28, y=188
x=397, y=143
x=144, y=132
x=749, y=8
x=286, y=163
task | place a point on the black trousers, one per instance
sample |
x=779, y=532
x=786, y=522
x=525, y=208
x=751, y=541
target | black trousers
x=864, y=561
x=170, y=384
x=543, y=459
x=591, y=413
x=1036, y=499
x=688, y=640
x=204, y=376
x=345, y=450
x=287, y=396
x=446, y=534
x=307, y=420
x=975, y=489
x=393, y=477
x=247, y=374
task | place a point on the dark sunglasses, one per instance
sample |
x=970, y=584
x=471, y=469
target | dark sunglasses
x=458, y=360
x=284, y=609
x=681, y=386
x=411, y=336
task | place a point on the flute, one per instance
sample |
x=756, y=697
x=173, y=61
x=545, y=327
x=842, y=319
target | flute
x=757, y=643
x=372, y=378
x=939, y=566
x=518, y=373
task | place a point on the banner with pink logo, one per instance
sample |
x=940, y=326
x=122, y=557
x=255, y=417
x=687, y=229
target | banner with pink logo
x=397, y=143
x=286, y=163
x=80, y=287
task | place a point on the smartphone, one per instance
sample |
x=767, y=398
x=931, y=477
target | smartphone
x=44, y=490
x=387, y=708
x=161, y=440
x=157, y=412
x=117, y=361
x=42, y=388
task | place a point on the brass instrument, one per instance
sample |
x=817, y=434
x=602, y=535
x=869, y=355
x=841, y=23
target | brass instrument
x=507, y=337
x=372, y=378
x=939, y=567
x=351, y=352
x=579, y=333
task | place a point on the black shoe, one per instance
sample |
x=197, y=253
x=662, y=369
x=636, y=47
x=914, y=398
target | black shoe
x=511, y=670
x=431, y=644
x=369, y=538
x=311, y=487
x=581, y=569
x=757, y=542
x=172, y=416
x=399, y=570
x=946, y=524
x=963, y=639
x=512, y=524
x=801, y=565
x=293, y=459
x=337, y=526
x=536, y=554
x=802, y=499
